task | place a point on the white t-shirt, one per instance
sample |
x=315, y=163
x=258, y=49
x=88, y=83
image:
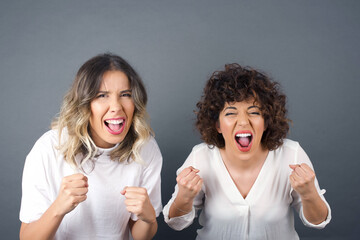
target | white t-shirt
x=103, y=214
x=266, y=211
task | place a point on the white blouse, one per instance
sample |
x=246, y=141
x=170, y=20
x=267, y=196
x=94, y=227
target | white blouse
x=265, y=213
x=103, y=214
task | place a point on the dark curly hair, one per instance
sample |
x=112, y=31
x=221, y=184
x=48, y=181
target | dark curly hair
x=237, y=84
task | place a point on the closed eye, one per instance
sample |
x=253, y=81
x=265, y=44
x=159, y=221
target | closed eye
x=126, y=95
x=230, y=113
x=255, y=113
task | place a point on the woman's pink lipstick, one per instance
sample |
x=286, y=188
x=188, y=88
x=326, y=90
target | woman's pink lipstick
x=244, y=140
x=115, y=126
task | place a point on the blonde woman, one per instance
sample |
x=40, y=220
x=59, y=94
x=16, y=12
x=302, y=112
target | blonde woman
x=96, y=174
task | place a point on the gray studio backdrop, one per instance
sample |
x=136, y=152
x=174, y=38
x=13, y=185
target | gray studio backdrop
x=310, y=47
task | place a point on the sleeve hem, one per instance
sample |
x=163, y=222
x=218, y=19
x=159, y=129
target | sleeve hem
x=180, y=222
x=316, y=226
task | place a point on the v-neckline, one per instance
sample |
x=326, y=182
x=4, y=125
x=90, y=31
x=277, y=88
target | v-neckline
x=229, y=185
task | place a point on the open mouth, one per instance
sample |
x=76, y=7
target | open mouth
x=244, y=141
x=115, y=126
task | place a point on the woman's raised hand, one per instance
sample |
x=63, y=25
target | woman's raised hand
x=302, y=180
x=189, y=183
x=137, y=202
x=73, y=191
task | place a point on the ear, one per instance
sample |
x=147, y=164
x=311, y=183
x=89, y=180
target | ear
x=217, y=125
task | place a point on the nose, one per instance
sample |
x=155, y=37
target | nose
x=115, y=105
x=242, y=120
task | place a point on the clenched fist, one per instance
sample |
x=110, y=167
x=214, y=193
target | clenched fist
x=302, y=180
x=137, y=202
x=72, y=191
x=189, y=183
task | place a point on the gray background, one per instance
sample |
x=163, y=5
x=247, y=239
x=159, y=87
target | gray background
x=310, y=47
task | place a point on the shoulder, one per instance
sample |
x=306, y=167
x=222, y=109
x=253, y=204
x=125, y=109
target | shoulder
x=203, y=148
x=150, y=150
x=202, y=154
x=47, y=141
x=290, y=152
x=44, y=149
x=150, y=145
x=288, y=146
x=288, y=143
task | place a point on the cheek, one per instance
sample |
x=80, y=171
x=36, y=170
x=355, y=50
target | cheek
x=261, y=127
x=97, y=110
x=93, y=120
x=226, y=128
x=95, y=116
x=130, y=109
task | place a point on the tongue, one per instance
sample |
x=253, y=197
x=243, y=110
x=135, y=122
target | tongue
x=244, y=141
x=114, y=127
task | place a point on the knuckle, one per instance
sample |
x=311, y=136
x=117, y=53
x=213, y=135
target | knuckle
x=142, y=199
x=308, y=179
x=183, y=182
x=67, y=192
x=72, y=200
x=143, y=190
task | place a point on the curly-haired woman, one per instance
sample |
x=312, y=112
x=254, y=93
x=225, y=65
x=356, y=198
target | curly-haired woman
x=96, y=174
x=246, y=176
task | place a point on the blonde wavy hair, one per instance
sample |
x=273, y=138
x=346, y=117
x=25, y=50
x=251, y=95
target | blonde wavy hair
x=75, y=113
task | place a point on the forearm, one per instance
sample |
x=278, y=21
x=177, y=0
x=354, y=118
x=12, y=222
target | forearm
x=141, y=230
x=180, y=207
x=314, y=209
x=44, y=228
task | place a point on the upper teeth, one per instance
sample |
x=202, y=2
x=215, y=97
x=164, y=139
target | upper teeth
x=115, y=121
x=243, y=135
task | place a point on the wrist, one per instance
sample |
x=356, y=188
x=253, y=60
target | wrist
x=184, y=199
x=309, y=196
x=150, y=221
x=56, y=211
x=183, y=206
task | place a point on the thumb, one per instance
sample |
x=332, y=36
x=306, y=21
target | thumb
x=123, y=191
x=194, y=169
x=293, y=166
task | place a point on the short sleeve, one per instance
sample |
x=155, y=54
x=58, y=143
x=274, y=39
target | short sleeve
x=302, y=157
x=181, y=222
x=151, y=178
x=35, y=193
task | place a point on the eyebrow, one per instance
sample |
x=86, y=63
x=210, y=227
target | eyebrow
x=124, y=91
x=231, y=108
x=127, y=90
x=253, y=107
x=234, y=108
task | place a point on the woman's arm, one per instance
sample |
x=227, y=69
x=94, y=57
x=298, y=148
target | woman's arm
x=189, y=183
x=141, y=230
x=73, y=191
x=138, y=202
x=44, y=228
x=302, y=180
